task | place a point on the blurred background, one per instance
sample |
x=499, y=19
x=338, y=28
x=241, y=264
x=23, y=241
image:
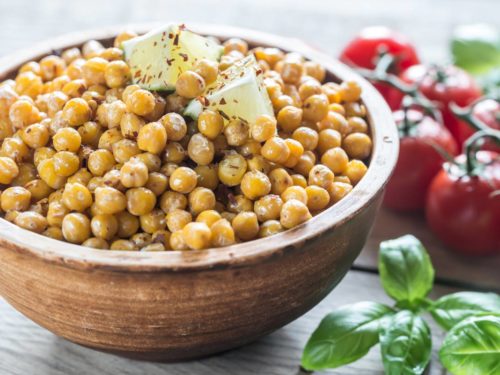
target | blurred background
x=328, y=24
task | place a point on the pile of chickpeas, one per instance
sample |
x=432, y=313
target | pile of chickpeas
x=89, y=158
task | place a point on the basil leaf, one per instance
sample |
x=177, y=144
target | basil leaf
x=344, y=335
x=473, y=347
x=406, y=270
x=405, y=342
x=451, y=309
x=476, y=48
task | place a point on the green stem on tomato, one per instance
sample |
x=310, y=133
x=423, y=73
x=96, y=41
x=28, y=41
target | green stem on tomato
x=471, y=148
x=467, y=114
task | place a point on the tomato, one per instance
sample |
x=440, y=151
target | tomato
x=364, y=49
x=443, y=85
x=418, y=160
x=464, y=211
x=488, y=112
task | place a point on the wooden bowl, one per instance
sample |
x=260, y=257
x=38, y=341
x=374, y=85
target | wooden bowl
x=173, y=306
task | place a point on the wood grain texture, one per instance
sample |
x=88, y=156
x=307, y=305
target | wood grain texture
x=28, y=349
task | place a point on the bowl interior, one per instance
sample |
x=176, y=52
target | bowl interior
x=383, y=159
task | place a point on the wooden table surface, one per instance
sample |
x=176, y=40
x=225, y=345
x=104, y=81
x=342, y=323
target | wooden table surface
x=28, y=349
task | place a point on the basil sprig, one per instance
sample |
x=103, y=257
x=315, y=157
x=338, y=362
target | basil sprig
x=471, y=347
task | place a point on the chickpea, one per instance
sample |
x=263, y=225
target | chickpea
x=210, y=124
x=100, y=162
x=299, y=180
x=124, y=150
x=54, y=233
x=76, y=112
x=134, y=173
x=76, y=228
x=130, y=124
x=67, y=139
x=27, y=172
x=344, y=179
x=270, y=228
x=122, y=37
x=117, y=74
x=264, y=128
x=295, y=192
x=246, y=225
x=289, y=118
x=141, y=102
x=321, y=175
x=315, y=70
x=190, y=85
x=175, y=125
x=307, y=137
x=357, y=145
x=357, y=125
x=336, y=159
x=268, y=207
x=96, y=243
x=15, y=149
x=296, y=151
x=8, y=170
x=104, y=226
x=250, y=148
x=157, y=183
x=236, y=132
x=93, y=70
x=222, y=233
x=171, y=200
x=31, y=221
x=306, y=163
x=232, y=169
x=109, y=200
x=294, y=213
x=207, y=69
x=201, y=199
x=153, y=221
x=178, y=219
x=76, y=197
x=128, y=224
x=270, y=55
x=123, y=245
x=66, y=163
x=276, y=150
x=177, y=241
x=255, y=185
x=207, y=176
x=23, y=113
x=140, y=201
x=29, y=84
x=350, y=91
x=317, y=198
x=339, y=190
x=315, y=108
x=308, y=88
x=200, y=149
x=208, y=217
x=280, y=180
x=292, y=71
x=239, y=203
x=47, y=171
x=75, y=88
x=15, y=198
x=183, y=180
x=355, y=170
x=197, y=235
x=38, y=189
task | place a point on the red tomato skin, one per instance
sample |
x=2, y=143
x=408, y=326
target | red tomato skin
x=363, y=50
x=463, y=211
x=487, y=111
x=458, y=87
x=418, y=163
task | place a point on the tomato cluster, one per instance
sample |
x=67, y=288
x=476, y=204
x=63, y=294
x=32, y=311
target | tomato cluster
x=461, y=197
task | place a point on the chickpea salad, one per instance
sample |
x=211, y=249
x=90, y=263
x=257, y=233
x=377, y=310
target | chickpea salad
x=175, y=141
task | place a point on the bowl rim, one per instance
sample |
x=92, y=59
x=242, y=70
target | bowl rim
x=383, y=160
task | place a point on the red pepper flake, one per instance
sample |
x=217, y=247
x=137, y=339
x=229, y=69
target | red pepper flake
x=170, y=36
x=184, y=56
x=160, y=74
x=176, y=39
x=259, y=71
x=137, y=74
x=203, y=100
x=182, y=27
x=235, y=101
x=222, y=101
x=155, y=43
x=170, y=61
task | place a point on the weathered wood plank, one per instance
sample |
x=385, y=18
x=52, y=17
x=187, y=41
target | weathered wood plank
x=28, y=349
x=481, y=272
